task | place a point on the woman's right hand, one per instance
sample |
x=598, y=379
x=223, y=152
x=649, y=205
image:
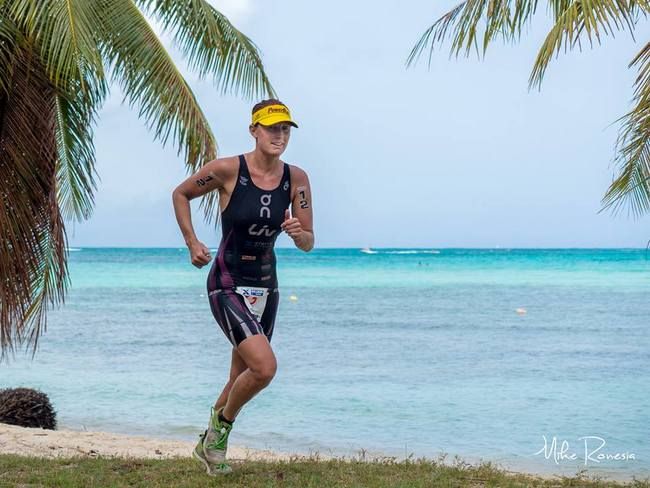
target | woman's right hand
x=199, y=254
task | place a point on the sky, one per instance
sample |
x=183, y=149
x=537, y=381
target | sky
x=461, y=154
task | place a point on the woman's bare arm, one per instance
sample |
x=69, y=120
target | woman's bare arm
x=300, y=226
x=212, y=176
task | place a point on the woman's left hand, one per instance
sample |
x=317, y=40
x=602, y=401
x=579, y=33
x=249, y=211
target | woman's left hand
x=291, y=225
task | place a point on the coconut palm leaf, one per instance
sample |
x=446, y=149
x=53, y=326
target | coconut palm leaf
x=54, y=57
x=632, y=186
x=32, y=248
x=50, y=280
x=487, y=20
x=67, y=36
x=575, y=21
x=67, y=33
x=152, y=82
x=212, y=45
x=581, y=19
x=9, y=37
x=503, y=19
x=75, y=165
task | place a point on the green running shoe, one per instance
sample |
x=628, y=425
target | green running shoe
x=215, y=442
x=211, y=469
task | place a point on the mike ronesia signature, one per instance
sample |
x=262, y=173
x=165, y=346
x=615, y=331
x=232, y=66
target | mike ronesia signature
x=593, y=451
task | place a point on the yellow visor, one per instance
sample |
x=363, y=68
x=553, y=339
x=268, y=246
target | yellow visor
x=273, y=114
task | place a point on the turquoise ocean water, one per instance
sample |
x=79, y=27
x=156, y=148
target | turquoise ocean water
x=399, y=352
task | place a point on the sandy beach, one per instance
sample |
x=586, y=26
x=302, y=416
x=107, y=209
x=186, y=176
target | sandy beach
x=69, y=443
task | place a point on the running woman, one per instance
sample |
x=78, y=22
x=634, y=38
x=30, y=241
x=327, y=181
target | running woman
x=256, y=190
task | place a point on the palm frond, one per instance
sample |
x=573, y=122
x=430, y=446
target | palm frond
x=10, y=37
x=213, y=46
x=66, y=33
x=486, y=20
x=50, y=280
x=577, y=19
x=632, y=185
x=75, y=166
x=52, y=83
x=32, y=247
x=472, y=20
x=557, y=7
x=152, y=82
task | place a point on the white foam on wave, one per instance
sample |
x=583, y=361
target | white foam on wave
x=72, y=249
x=403, y=251
x=415, y=251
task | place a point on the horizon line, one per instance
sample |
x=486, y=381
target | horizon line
x=380, y=248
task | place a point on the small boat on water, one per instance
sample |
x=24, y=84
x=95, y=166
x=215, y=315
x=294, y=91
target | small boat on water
x=367, y=250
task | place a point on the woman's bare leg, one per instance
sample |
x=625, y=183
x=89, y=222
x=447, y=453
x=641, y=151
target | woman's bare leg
x=237, y=367
x=261, y=367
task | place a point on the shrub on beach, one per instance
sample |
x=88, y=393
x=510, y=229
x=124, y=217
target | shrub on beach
x=27, y=408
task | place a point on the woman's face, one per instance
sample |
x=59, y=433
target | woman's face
x=272, y=139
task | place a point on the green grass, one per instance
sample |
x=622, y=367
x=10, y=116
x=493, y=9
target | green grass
x=17, y=471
